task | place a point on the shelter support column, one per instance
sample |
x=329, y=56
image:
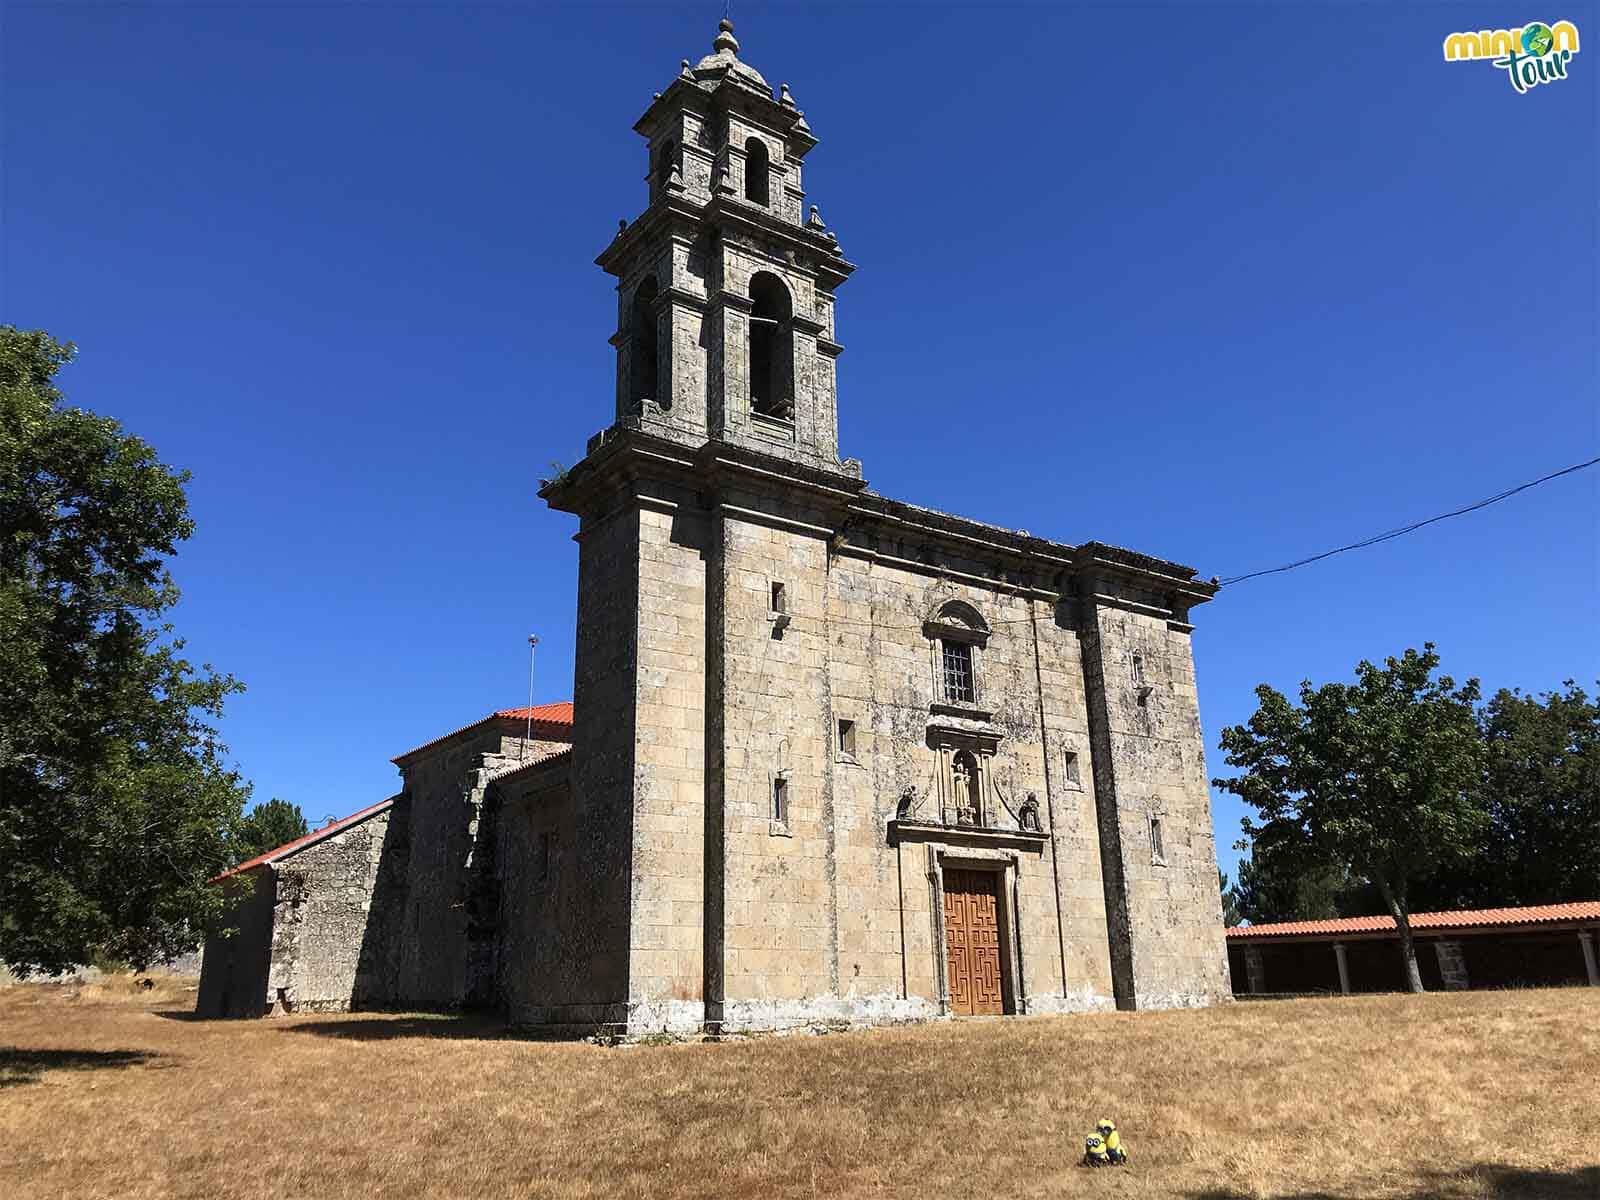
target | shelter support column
x=1452, y=966
x=1344, y=968
x=1253, y=971
x=1586, y=940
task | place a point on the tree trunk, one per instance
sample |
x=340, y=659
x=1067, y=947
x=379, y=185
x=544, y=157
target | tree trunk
x=1402, y=922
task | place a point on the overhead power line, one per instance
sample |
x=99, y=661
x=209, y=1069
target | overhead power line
x=1414, y=526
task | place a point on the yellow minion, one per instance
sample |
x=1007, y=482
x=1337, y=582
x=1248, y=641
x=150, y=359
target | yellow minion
x=1094, y=1151
x=1112, y=1141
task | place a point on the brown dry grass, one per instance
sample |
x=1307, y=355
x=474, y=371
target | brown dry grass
x=110, y=1092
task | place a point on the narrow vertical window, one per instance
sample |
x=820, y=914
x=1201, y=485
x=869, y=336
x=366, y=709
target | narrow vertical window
x=780, y=598
x=757, y=168
x=958, y=685
x=780, y=800
x=543, y=864
x=1158, y=851
x=666, y=158
x=1073, y=778
x=847, y=739
x=1138, y=670
x=771, y=348
x=642, y=324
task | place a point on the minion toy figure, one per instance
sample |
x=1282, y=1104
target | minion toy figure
x=1094, y=1151
x=1112, y=1141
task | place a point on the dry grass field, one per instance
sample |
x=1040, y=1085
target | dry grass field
x=108, y=1091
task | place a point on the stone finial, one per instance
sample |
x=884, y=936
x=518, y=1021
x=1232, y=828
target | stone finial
x=725, y=41
x=683, y=68
x=800, y=122
x=815, y=220
x=784, y=98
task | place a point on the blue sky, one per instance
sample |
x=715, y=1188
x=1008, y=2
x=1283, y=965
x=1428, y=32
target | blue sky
x=1227, y=284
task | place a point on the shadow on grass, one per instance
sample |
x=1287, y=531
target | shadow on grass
x=1489, y=1179
x=19, y=1066
x=378, y=1027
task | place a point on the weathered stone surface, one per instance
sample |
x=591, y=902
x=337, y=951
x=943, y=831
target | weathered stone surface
x=798, y=703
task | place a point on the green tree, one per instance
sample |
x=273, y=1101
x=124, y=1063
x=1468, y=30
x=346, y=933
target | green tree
x=1541, y=789
x=1230, y=902
x=1379, y=776
x=115, y=803
x=266, y=827
x=1278, y=884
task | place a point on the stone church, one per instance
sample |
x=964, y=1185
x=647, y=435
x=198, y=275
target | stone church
x=831, y=756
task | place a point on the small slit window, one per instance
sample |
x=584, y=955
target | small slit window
x=756, y=171
x=780, y=598
x=958, y=681
x=543, y=861
x=847, y=739
x=780, y=800
x=666, y=157
x=1158, y=850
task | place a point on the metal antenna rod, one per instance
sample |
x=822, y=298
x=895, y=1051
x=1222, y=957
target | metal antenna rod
x=533, y=643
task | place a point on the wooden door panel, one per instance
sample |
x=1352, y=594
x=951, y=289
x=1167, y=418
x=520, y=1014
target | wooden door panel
x=972, y=937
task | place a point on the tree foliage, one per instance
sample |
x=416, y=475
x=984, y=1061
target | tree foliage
x=266, y=827
x=115, y=803
x=1277, y=884
x=1380, y=776
x=1230, y=902
x=1541, y=789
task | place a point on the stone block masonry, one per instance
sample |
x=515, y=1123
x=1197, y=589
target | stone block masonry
x=834, y=757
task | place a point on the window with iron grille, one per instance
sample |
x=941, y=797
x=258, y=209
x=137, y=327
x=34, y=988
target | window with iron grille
x=958, y=687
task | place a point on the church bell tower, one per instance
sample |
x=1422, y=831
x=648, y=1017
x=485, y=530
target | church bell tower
x=725, y=283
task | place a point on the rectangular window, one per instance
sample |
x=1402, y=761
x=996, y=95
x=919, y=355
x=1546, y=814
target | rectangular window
x=543, y=868
x=1073, y=779
x=958, y=687
x=1158, y=851
x=780, y=800
x=847, y=739
x=780, y=598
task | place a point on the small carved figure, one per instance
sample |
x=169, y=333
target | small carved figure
x=1028, y=814
x=907, y=805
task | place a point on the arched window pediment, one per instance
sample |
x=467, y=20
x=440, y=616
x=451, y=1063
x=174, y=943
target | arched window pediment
x=956, y=621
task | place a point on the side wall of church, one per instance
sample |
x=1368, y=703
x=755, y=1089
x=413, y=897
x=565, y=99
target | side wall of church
x=547, y=947
x=322, y=909
x=667, y=902
x=443, y=937
x=1168, y=946
x=233, y=970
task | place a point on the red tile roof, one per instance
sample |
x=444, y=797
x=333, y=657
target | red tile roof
x=1583, y=910
x=310, y=839
x=551, y=722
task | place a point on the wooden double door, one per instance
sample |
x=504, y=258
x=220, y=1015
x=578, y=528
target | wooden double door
x=972, y=942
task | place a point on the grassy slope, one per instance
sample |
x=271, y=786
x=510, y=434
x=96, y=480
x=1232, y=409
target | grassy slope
x=113, y=1093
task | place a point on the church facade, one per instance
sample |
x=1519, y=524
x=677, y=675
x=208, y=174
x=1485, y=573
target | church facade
x=831, y=756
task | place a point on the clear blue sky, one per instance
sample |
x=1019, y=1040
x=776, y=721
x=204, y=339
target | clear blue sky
x=1224, y=284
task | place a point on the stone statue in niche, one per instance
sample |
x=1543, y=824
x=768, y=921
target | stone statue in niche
x=907, y=807
x=1028, y=814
